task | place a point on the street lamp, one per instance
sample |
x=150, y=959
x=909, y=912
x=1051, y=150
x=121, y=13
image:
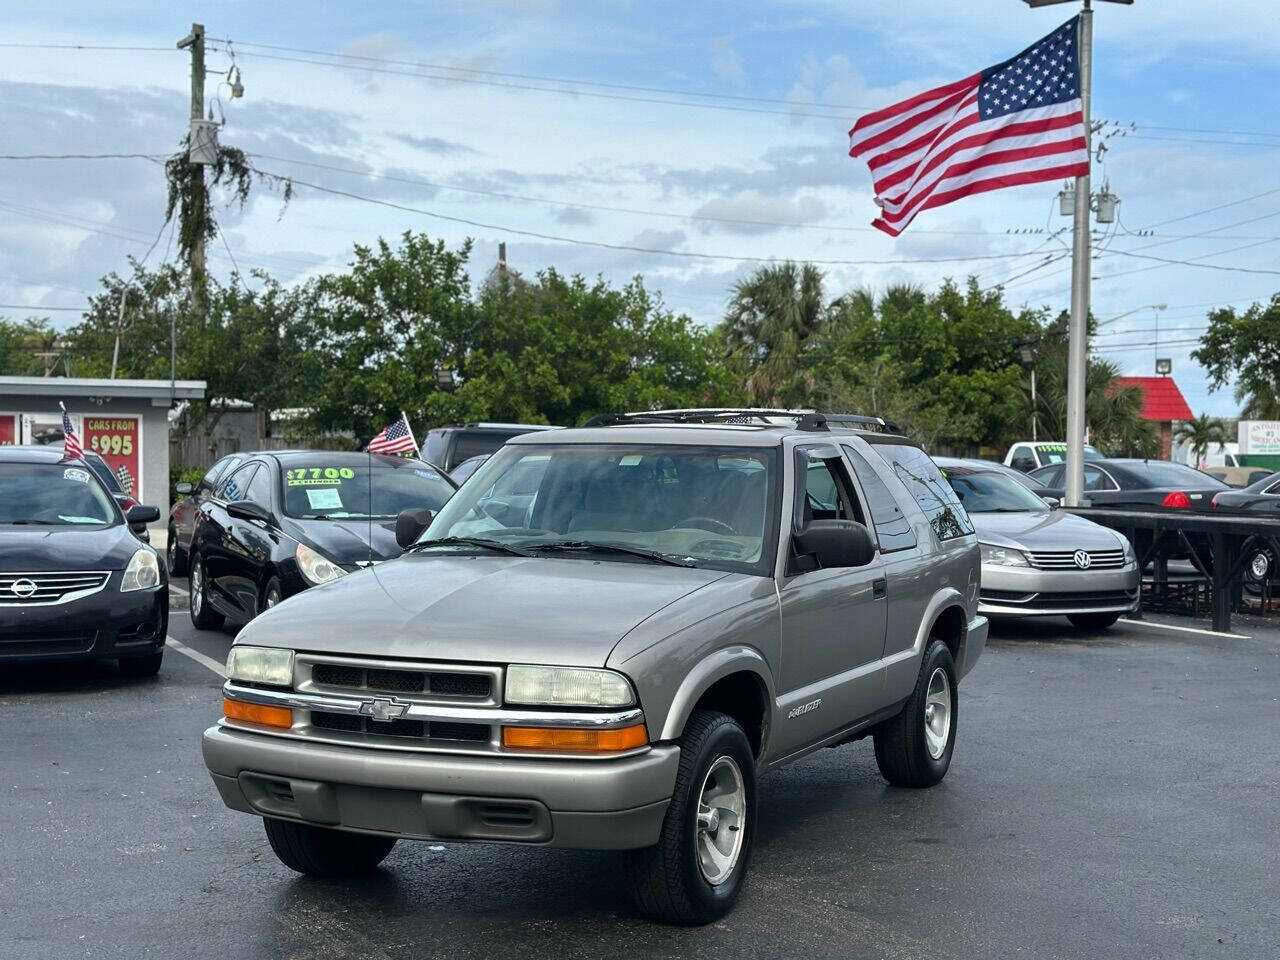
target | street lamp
x=1147, y=306
x=1027, y=351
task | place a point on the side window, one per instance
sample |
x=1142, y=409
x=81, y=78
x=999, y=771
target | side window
x=236, y=485
x=1022, y=458
x=1095, y=479
x=259, y=490
x=210, y=480
x=931, y=491
x=828, y=492
x=892, y=527
x=1049, y=477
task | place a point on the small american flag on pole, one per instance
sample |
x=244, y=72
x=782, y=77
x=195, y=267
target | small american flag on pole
x=395, y=438
x=1021, y=121
x=71, y=449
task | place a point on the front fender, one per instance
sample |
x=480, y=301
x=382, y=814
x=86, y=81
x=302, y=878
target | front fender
x=718, y=665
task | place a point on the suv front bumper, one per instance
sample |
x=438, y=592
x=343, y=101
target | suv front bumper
x=589, y=804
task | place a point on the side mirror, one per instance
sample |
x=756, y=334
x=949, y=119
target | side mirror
x=410, y=524
x=184, y=488
x=140, y=516
x=248, y=510
x=1053, y=502
x=836, y=543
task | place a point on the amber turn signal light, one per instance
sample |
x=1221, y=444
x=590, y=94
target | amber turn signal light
x=263, y=716
x=582, y=741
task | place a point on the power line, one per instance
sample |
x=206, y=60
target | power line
x=632, y=248
x=1192, y=263
x=83, y=156
x=28, y=308
x=81, y=46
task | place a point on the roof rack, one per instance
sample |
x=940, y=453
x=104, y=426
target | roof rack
x=807, y=420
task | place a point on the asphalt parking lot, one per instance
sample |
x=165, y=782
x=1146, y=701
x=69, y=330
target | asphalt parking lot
x=1112, y=795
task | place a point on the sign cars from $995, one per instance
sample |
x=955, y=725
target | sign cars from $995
x=118, y=441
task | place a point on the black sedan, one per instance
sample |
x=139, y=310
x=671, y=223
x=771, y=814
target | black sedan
x=1262, y=497
x=1136, y=484
x=75, y=581
x=278, y=523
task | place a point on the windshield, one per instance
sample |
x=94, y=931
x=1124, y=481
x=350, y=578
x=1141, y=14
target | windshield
x=994, y=493
x=1057, y=453
x=53, y=494
x=319, y=487
x=712, y=506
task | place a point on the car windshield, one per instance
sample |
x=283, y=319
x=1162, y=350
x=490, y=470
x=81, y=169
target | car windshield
x=1057, y=453
x=317, y=487
x=53, y=494
x=994, y=493
x=706, y=506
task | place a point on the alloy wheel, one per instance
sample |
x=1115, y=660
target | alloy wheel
x=937, y=713
x=722, y=812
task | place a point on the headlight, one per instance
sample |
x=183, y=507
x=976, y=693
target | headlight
x=142, y=573
x=568, y=687
x=1130, y=556
x=316, y=567
x=261, y=665
x=1003, y=556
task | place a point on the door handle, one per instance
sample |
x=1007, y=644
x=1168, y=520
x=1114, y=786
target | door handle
x=879, y=589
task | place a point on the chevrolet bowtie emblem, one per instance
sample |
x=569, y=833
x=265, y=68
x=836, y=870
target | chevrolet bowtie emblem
x=384, y=710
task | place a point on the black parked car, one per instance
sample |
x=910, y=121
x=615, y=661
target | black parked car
x=75, y=581
x=277, y=523
x=1261, y=496
x=448, y=446
x=1136, y=484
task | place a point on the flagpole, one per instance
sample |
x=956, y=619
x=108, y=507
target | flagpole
x=416, y=448
x=1081, y=264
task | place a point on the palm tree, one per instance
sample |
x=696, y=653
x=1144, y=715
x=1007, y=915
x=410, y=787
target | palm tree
x=1200, y=434
x=770, y=319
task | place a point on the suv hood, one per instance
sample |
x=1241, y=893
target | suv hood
x=1054, y=530
x=484, y=609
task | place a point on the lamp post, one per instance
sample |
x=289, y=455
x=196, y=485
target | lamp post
x=1081, y=263
x=1027, y=351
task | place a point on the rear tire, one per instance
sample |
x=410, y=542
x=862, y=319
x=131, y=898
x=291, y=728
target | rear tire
x=174, y=558
x=147, y=666
x=1093, y=621
x=695, y=873
x=914, y=748
x=320, y=852
x=202, y=617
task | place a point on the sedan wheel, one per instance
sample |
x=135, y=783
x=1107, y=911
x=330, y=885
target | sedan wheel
x=201, y=616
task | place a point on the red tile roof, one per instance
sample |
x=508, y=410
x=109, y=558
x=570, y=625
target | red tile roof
x=1161, y=398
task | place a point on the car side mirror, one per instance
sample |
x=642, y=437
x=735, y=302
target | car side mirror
x=1053, y=502
x=248, y=510
x=140, y=516
x=836, y=543
x=410, y=524
x=184, y=488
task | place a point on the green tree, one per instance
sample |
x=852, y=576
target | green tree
x=22, y=343
x=1245, y=347
x=1200, y=434
x=771, y=319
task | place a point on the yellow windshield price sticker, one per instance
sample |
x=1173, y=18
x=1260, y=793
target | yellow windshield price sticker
x=318, y=476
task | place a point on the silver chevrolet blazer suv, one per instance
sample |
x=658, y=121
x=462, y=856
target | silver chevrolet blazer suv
x=604, y=639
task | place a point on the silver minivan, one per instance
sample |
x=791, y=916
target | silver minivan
x=679, y=602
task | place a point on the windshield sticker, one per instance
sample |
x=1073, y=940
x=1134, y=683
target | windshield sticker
x=424, y=473
x=326, y=498
x=630, y=460
x=72, y=473
x=317, y=476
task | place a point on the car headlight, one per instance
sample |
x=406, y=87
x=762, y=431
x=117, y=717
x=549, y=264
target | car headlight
x=1003, y=556
x=316, y=567
x=142, y=573
x=270, y=665
x=568, y=687
x=1130, y=556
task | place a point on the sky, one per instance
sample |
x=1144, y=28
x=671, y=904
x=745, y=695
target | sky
x=709, y=128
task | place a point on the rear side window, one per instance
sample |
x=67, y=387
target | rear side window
x=1048, y=476
x=892, y=527
x=925, y=483
x=237, y=485
x=211, y=478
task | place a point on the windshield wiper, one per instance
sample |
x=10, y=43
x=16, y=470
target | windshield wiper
x=590, y=546
x=497, y=545
x=42, y=523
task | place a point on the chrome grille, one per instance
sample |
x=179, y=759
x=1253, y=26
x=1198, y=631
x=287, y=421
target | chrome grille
x=434, y=682
x=1066, y=559
x=49, y=587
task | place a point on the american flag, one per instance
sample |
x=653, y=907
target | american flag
x=125, y=478
x=1021, y=121
x=71, y=449
x=395, y=438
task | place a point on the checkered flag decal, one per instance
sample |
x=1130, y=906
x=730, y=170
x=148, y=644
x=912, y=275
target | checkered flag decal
x=125, y=478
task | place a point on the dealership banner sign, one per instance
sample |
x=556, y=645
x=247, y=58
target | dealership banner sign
x=1259, y=436
x=118, y=440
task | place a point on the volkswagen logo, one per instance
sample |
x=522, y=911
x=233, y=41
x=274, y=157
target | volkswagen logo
x=1082, y=559
x=23, y=588
x=384, y=710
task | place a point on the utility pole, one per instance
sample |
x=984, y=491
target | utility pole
x=1081, y=267
x=502, y=259
x=194, y=41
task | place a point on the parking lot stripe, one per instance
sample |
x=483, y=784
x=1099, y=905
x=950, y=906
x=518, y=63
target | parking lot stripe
x=197, y=656
x=1170, y=626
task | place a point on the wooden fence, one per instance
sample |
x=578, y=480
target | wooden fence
x=200, y=450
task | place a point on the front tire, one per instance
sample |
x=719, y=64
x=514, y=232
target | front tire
x=1093, y=621
x=914, y=748
x=174, y=558
x=271, y=594
x=202, y=617
x=320, y=852
x=695, y=873
x=146, y=666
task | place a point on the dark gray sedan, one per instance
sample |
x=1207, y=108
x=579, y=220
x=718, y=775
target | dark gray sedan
x=1040, y=561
